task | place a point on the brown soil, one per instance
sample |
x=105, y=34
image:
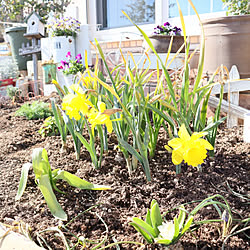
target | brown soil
x=130, y=195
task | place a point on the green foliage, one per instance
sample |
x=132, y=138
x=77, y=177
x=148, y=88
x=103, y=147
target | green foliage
x=61, y=126
x=237, y=7
x=14, y=92
x=18, y=10
x=49, y=127
x=46, y=180
x=35, y=110
x=155, y=230
x=74, y=68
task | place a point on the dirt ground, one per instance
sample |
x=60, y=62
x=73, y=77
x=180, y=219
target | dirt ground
x=130, y=195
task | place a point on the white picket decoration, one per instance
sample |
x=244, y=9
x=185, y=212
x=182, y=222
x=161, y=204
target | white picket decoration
x=233, y=87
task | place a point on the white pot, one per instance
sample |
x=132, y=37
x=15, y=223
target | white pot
x=61, y=46
x=68, y=81
x=246, y=131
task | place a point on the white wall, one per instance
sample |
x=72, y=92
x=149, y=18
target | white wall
x=78, y=9
x=87, y=14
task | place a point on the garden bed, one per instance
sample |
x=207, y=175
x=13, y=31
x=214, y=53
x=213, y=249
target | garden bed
x=130, y=195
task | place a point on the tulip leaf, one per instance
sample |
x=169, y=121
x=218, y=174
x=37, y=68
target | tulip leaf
x=23, y=180
x=40, y=162
x=176, y=228
x=187, y=224
x=146, y=236
x=181, y=217
x=50, y=198
x=145, y=227
x=164, y=241
x=77, y=182
x=156, y=217
x=148, y=218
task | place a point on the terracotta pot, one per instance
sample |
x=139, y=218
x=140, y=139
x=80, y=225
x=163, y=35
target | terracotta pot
x=227, y=43
x=161, y=43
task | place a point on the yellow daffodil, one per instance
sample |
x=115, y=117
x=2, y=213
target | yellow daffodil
x=102, y=116
x=192, y=149
x=76, y=104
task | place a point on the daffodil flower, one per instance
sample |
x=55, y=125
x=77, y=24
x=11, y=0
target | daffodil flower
x=76, y=104
x=192, y=149
x=102, y=116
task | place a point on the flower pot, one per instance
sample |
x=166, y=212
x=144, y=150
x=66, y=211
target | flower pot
x=161, y=43
x=61, y=45
x=49, y=72
x=16, y=38
x=68, y=81
x=227, y=43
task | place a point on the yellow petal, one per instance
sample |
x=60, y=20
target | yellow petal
x=168, y=148
x=183, y=133
x=101, y=106
x=196, y=135
x=177, y=157
x=109, y=126
x=204, y=143
x=175, y=143
x=77, y=88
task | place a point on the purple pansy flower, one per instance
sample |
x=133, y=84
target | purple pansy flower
x=64, y=63
x=166, y=24
x=78, y=58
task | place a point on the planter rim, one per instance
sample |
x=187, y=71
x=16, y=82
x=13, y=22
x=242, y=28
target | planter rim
x=163, y=36
x=226, y=19
x=13, y=29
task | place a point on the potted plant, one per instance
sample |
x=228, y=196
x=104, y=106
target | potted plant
x=63, y=32
x=15, y=12
x=228, y=38
x=162, y=36
x=70, y=68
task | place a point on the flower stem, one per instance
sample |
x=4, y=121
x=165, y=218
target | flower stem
x=178, y=169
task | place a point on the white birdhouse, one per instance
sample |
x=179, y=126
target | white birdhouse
x=35, y=26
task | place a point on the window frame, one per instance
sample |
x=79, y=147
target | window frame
x=101, y=15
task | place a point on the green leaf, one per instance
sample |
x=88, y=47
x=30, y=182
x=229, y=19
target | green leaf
x=23, y=180
x=176, y=228
x=214, y=124
x=156, y=217
x=146, y=236
x=148, y=218
x=77, y=182
x=131, y=150
x=50, y=198
x=182, y=216
x=145, y=227
x=59, y=121
x=187, y=224
x=40, y=162
x=164, y=241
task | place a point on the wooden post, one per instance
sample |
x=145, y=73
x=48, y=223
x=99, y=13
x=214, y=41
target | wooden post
x=34, y=58
x=233, y=97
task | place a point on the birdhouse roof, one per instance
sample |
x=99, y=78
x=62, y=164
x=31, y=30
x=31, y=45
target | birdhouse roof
x=33, y=13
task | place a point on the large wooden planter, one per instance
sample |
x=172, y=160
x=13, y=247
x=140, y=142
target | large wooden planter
x=161, y=43
x=228, y=43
